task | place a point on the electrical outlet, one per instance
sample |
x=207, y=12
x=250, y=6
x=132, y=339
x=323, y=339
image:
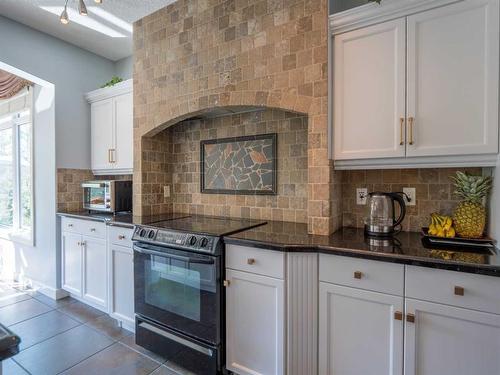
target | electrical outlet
x=361, y=195
x=412, y=194
x=166, y=191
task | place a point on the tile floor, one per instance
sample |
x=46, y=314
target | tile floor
x=69, y=337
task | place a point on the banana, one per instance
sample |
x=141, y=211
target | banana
x=441, y=226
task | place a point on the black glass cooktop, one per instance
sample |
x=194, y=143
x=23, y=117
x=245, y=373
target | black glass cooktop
x=209, y=225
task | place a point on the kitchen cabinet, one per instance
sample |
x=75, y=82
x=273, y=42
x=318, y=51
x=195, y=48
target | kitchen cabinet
x=421, y=89
x=357, y=324
x=112, y=129
x=447, y=340
x=84, y=263
x=121, y=275
x=255, y=312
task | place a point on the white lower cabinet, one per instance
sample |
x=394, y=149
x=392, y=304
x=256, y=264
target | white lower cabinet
x=121, y=284
x=71, y=262
x=255, y=324
x=360, y=332
x=94, y=271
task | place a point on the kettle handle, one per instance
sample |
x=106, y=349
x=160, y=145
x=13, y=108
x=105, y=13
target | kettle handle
x=399, y=198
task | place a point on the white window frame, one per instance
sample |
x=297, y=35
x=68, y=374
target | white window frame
x=16, y=233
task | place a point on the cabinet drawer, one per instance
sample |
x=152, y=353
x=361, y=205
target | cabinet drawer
x=259, y=261
x=460, y=289
x=120, y=235
x=89, y=228
x=361, y=273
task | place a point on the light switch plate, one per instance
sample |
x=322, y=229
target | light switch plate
x=412, y=194
x=361, y=195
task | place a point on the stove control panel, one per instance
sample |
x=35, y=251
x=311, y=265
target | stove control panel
x=197, y=242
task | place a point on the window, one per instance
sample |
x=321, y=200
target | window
x=16, y=177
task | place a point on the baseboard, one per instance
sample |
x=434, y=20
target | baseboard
x=33, y=285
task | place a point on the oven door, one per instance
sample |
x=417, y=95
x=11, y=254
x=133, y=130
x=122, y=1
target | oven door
x=97, y=196
x=178, y=289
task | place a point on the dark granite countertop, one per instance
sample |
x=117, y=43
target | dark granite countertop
x=125, y=219
x=407, y=248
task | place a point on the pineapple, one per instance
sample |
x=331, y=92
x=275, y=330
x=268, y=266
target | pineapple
x=469, y=218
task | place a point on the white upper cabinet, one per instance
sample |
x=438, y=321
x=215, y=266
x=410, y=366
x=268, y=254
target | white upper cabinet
x=415, y=84
x=369, y=92
x=112, y=129
x=453, y=79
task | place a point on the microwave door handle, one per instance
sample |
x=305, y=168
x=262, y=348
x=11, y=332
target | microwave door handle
x=168, y=255
x=93, y=186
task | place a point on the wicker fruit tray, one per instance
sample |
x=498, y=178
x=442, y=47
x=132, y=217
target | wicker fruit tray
x=458, y=241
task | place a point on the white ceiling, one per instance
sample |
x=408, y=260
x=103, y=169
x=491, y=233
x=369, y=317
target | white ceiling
x=106, y=31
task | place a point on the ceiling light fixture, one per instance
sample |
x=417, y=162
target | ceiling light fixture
x=82, y=10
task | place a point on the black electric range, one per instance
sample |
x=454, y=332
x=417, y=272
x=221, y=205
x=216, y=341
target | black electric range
x=179, y=298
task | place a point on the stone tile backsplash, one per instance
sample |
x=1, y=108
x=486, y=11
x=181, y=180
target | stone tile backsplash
x=434, y=191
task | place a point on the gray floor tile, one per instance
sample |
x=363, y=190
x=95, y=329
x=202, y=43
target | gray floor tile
x=53, y=302
x=81, y=312
x=63, y=351
x=20, y=311
x=130, y=342
x=117, y=359
x=42, y=327
x=12, y=368
x=10, y=299
x=177, y=369
x=164, y=370
x=108, y=326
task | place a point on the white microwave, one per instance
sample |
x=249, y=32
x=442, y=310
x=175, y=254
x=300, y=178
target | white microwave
x=107, y=196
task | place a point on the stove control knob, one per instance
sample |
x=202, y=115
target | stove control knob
x=192, y=241
x=203, y=242
x=151, y=234
x=142, y=233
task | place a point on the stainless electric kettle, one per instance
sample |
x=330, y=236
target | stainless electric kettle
x=380, y=218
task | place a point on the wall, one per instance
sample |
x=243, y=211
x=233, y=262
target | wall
x=290, y=203
x=72, y=70
x=194, y=56
x=124, y=68
x=434, y=191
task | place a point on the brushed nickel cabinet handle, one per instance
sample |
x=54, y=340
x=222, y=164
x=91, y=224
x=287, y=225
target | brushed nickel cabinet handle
x=398, y=315
x=227, y=283
x=109, y=155
x=401, y=129
x=113, y=158
x=411, y=121
x=358, y=275
x=410, y=318
x=250, y=261
x=459, y=291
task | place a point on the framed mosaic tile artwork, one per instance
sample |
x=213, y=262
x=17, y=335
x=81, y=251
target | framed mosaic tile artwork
x=239, y=165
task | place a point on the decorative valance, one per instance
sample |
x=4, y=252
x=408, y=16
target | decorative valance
x=11, y=84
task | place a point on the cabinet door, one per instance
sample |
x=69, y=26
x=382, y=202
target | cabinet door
x=71, y=262
x=453, y=79
x=446, y=340
x=123, y=119
x=255, y=321
x=359, y=332
x=94, y=271
x=121, y=289
x=369, y=92
x=101, y=134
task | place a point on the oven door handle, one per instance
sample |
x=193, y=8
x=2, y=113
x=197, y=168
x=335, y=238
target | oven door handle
x=168, y=255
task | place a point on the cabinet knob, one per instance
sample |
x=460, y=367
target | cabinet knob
x=410, y=318
x=83, y=243
x=459, y=291
x=121, y=237
x=70, y=225
x=398, y=315
x=227, y=283
x=250, y=261
x=358, y=275
x=79, y=243
x=92, y=229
